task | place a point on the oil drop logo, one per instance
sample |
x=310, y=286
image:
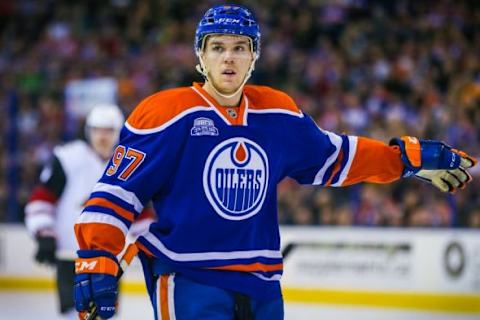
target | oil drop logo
x=235, y=178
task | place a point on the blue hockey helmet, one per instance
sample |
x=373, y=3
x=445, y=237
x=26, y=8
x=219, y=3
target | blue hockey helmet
x=228, y=19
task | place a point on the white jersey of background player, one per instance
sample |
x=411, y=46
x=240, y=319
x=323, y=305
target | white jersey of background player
x=65, y=185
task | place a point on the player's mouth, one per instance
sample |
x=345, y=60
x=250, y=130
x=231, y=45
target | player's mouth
x=229, y=73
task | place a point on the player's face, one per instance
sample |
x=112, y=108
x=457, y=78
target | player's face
x=227, y=59
x=102, y=141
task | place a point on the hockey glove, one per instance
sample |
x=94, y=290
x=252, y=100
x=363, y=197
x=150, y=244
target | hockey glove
x=46, y=246
x=95, y=282
x=435, y=162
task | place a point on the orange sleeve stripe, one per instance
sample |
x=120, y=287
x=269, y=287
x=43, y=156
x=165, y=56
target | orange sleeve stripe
x=336, y=168
x=374, y=161
x=251, y=267
x=100, y=236
x=102, y=202
x=96, y=265
x=162, y=107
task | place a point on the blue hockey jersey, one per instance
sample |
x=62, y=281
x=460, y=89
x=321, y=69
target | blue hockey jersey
x=212, y=174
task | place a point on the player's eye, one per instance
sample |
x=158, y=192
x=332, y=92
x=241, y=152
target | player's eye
x=240, y=48
x=217, y=48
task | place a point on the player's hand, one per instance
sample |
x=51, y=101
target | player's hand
x=435, y=162
x=46, y=246
x=446, y=180
x=96, y=282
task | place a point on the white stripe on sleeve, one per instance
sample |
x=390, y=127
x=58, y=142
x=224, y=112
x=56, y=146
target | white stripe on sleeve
x=336, y=140
x=120, y=193
x=352, y=149
x=96, y=217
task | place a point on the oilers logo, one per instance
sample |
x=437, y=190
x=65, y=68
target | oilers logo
x=235, y=178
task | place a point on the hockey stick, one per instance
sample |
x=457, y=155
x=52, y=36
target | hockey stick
x=127, y=258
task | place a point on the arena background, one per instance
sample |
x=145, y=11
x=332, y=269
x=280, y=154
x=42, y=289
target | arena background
x=373, y=68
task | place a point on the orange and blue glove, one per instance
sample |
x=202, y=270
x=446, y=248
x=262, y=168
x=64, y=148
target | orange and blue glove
x=435, y=162
x=96, y=282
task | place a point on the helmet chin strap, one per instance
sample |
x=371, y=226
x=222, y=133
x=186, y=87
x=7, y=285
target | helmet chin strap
x=202, y=69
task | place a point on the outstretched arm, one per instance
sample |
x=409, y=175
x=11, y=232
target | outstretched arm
x=431, y=161
x=342, y=160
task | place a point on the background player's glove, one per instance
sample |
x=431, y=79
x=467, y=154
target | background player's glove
x=46, y=246
x=96, y=282
x=435, y=162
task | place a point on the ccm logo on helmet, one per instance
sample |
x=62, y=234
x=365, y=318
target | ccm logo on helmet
x=235, y=178
x=228, y=20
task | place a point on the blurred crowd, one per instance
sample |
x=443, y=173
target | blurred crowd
x=364, y=67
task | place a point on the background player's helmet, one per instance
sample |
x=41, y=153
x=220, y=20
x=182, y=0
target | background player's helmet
x=228, y=19
x=105, y=116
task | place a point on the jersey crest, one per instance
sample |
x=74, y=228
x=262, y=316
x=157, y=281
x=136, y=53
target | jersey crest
x=203, y=126
x=235, y=178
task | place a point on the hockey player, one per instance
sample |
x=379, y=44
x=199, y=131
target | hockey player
x=65, y=185
x=210, y=157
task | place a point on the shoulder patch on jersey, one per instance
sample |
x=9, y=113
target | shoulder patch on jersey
x=161, y=107
x=266, y=98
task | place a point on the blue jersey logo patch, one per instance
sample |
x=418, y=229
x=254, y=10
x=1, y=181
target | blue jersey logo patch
x=235, y=178
x=203, y=127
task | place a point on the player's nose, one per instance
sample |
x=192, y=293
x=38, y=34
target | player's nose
x=228, y=56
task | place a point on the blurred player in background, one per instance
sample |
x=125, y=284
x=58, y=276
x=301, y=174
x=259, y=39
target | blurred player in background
x=65, y=184
x=210, y=157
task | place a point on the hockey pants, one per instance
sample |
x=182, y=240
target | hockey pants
x=173, y=296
